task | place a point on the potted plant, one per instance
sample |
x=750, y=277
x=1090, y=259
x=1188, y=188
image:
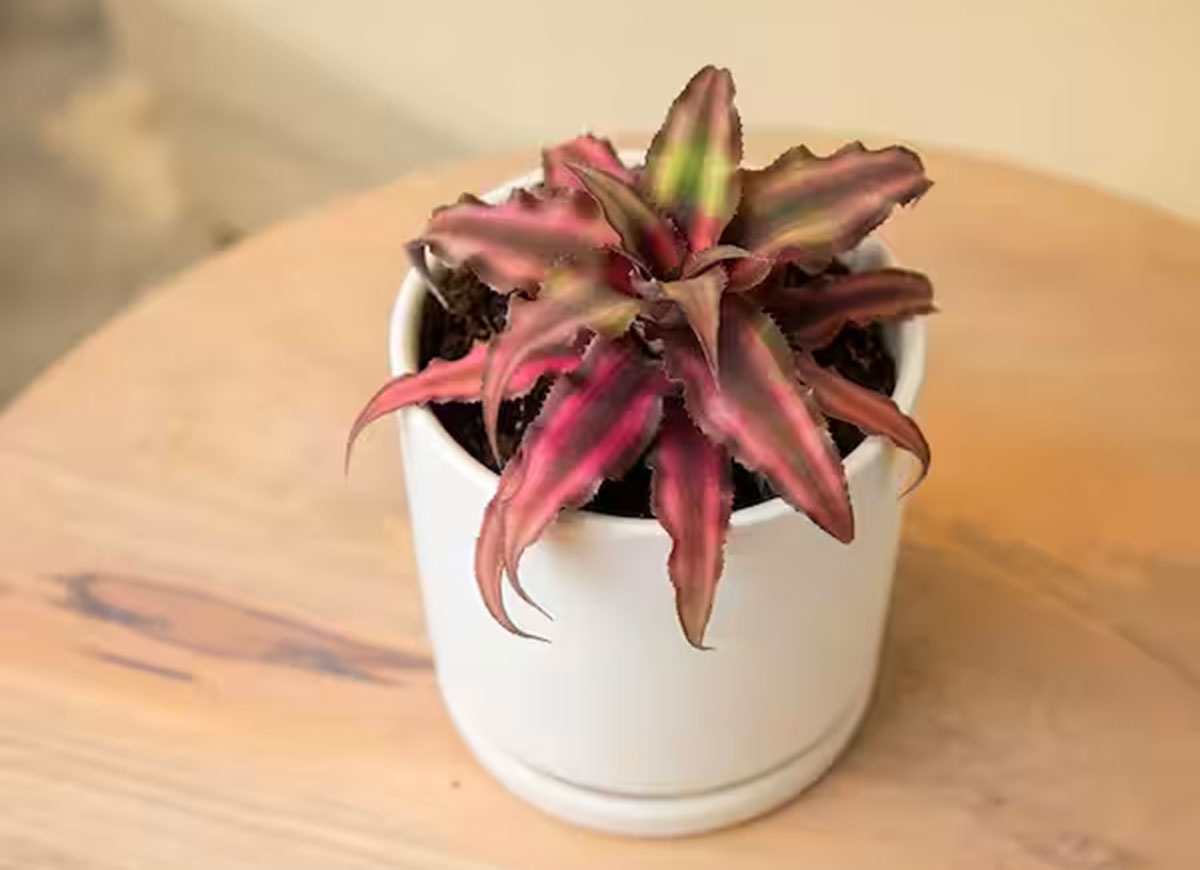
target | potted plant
x=652, y=350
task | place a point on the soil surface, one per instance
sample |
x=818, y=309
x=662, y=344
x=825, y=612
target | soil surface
x=476, y=313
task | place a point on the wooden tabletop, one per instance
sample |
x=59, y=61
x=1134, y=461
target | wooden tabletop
x=211, y=647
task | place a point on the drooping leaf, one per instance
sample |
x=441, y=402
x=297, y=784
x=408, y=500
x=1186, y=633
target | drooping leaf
x=870, y=411
x=814, y=313
x=808, y=209
x=692, y=497
x=699, y=299
x=513, y=245
x=756, y=407
x=644, y=232
x=460, y=380
x=416, y=256
x=594, y=425
x=586, y=150
x=571, y=299
x=692, y=165
x=489, y=552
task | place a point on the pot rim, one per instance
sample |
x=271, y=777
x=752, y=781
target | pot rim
x=910, y=348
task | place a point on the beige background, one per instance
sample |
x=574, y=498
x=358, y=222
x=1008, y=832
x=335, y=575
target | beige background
x=309, y=98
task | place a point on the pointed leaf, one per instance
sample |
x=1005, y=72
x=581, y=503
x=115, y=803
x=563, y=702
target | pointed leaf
x=645, y=233
x=570, y=300
x=700, y=300
x=593, y=425
x=489, y=552
x=416, y=255
x=459, y=380
x=586, y=150
x=814, y=313
x=692, y=496
x=513, y=245
x=760, y=412
x=808, y=209
x=870, y=411
x=747, y=271
x=692, y=165
x=699, y=261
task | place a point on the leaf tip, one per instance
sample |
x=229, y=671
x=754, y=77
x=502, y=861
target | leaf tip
x=416, y=255
x=920, y=451
x=843, y=527
x=511, y=563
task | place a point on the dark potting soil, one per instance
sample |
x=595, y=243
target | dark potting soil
x=476, y=313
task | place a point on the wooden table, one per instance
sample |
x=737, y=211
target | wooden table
x=211, y=651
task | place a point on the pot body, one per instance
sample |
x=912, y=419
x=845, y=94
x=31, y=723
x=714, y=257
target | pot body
x=617, y=719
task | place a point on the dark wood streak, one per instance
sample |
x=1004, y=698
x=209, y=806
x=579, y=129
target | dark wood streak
x=144, y=667
x=206, y=624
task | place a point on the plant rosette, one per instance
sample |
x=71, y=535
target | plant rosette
x=706, y=665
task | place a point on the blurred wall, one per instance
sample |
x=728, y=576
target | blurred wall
x=277, y=103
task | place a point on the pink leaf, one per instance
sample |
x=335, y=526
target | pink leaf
x=700, y=300
x=870, y=411
x=757, y=409
x=594, y=425
x=459, y=380
x=586, y=150
x=808, y=209
x=489, y=552
x=814, y=313
x=644, y=233
x=692, y=165
x=571, y=299
x=513, y=245
x=692, y=496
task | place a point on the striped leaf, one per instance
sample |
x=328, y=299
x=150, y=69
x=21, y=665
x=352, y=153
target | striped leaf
x=594, y=425
x=459, y=380
x=808, y=209
x=513, y=245
x=700, y=261
x=699, y=299
x=645, y=233
x=692, y=165
x=586, y=150
x=571, y=299
x=814, y=313
x=870, y=411
x=692, y=497
x=756, y=407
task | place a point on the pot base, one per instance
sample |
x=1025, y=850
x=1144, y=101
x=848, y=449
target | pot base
x=696, y=813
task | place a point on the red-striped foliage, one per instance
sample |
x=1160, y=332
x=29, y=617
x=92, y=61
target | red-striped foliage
x=696, y=258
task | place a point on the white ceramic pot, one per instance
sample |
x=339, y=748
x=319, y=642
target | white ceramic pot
x=617, y=723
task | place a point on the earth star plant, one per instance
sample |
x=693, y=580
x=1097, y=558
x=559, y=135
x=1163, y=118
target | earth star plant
x=677, y=305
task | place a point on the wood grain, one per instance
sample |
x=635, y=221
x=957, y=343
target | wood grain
x=211, y=652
